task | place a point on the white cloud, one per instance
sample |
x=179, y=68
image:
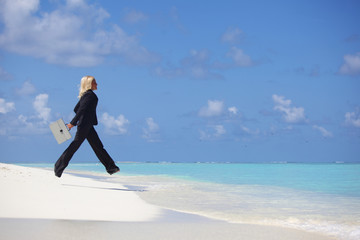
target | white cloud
x=232, y=35
x=233, y=110
x=76, y=3
x=213, y=109
x=247, y=131
x=239, y=57
x=219, y=130
x=26, y=89
x=196, y=65
x=351, y=65
x=70, y=35
x=135, y=17
x=152, y=126
x=151, y=132
x=6, y=107
x=290, y=114
x=115, y=126
x=40, y=106
x=212, y=132
x=169, y=72
x=280, y=100
x=200, y=65
x=25, y=123
x=353, y=118
x=323, y=131
x=20, y=125
x=15, y=125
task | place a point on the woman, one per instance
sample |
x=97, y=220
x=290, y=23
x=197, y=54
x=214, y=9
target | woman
x=85, y=119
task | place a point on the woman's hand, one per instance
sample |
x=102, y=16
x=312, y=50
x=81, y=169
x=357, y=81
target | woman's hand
x=69, y=125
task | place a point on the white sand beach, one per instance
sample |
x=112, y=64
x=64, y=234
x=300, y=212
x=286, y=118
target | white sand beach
x=34, y=204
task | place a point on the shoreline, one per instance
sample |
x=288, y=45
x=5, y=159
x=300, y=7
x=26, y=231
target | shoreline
x=105, y=209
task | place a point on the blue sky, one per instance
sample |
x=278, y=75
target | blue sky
x=225, y=81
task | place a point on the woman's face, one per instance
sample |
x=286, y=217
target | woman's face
x=94, y=85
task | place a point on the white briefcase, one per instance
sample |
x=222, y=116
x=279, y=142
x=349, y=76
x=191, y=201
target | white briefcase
x=60, y=131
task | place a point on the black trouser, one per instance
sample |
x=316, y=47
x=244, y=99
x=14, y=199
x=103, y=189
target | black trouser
x=89, y=133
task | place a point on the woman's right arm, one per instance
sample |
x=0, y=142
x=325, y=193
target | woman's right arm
x=81, y=107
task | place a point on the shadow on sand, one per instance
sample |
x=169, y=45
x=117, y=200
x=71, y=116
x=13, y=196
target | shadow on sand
x=131, y=189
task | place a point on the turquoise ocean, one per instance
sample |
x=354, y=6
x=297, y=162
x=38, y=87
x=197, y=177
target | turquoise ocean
x=323, y=198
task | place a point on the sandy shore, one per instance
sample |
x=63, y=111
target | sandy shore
x=35, y=204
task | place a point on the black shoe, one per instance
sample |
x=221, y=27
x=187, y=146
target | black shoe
x=58, y=175
x=113, y=170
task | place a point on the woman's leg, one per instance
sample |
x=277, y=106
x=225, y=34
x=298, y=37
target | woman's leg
x=65, y=158
x=100, y=152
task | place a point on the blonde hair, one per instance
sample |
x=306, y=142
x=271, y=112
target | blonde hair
x=85, y=84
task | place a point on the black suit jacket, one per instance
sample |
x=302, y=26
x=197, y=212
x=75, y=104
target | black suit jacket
x=85, y=110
